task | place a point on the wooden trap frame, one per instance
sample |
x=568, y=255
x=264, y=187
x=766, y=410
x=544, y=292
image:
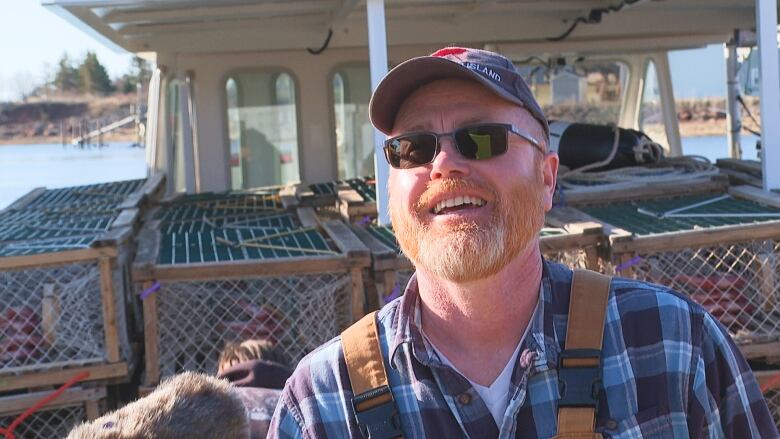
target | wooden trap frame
x=238, y=271
x=721, y=247
x=56, y=418
x=64, y=283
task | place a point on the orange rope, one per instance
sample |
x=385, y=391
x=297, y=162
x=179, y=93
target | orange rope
x=771, y=383
x=9, y=431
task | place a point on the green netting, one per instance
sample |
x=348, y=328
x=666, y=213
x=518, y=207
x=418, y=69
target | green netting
x=365, y=186
x=94, y=194
x=648, y=217
x=241, y=244
x=205, y=224
x=44, y=246
x=385, y=235
x=20, y=231
x=320, y=189
x=265, y=198
x=195, y=212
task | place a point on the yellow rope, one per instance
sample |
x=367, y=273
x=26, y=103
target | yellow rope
x=275, y=247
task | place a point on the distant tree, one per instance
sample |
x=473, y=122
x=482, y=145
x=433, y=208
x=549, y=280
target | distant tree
x=140, y=72
x=94, y=78
x=66, y=77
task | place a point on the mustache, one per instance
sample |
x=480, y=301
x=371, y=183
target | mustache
x=444, y=186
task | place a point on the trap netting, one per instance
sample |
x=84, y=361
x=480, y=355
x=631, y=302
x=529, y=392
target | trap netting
x=47, y=423
x=772, y=398
x=52, y=317
x=737, y=283
x=297, y=313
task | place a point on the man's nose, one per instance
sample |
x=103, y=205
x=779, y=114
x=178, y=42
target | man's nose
x=449, y=163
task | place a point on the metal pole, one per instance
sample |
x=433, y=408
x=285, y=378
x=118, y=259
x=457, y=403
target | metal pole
x=668, y=109
x=377, y=53
x=733, y=117
x=766, y=23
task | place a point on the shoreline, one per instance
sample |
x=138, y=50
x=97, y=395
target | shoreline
x=687, y=129
x=49, y=140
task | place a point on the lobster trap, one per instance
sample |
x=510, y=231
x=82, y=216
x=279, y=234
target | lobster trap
x=56, y=418
x=354, y=199
x=64, y=255
x=722, y=250
x=240, y=267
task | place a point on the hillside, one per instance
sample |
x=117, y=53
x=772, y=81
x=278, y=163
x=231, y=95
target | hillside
x=49, y=120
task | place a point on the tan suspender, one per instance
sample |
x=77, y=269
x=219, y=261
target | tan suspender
x=579, y=370
x=375, y=409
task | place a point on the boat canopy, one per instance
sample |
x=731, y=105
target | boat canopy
x=218, y=41
x=197, y=26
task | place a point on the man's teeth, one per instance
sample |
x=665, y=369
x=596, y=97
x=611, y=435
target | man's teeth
x=458, y=201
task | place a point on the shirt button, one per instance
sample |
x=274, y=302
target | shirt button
x=611, y=424
x=464, y=399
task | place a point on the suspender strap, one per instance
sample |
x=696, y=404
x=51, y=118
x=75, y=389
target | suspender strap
x=375, y=409
x=579, y=371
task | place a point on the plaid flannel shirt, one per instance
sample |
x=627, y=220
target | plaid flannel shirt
x=669, y=370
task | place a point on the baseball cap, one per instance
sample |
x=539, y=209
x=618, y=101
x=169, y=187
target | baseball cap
x=490, y=69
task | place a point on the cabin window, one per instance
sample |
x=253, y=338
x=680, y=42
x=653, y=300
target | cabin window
x=351, y=91
x=578, y=90
x=262, y=129
x=177, y=167
x=651, y=118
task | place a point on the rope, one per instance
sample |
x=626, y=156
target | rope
x=9, y=431
x=667, y=170
x=771, y=383
x=255, y=242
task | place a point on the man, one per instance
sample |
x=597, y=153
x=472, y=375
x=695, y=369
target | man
x=473, y=347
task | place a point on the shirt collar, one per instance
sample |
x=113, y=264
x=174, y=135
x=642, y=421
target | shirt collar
x=541, y=340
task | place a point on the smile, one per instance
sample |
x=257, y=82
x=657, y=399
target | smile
x=456, y=203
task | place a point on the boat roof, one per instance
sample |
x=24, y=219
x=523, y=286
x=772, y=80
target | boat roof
x=511, y=26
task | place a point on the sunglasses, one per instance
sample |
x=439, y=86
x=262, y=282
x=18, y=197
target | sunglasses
x=474, y=142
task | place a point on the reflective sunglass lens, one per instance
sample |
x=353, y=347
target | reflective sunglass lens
x=481, y=142
x=411, y=151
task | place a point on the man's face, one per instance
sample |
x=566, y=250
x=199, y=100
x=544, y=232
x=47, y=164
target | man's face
x=505, y=196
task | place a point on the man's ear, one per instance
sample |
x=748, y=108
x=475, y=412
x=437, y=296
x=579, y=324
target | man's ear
x=549, y=170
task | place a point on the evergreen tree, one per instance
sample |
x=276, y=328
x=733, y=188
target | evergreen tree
x=94, y=78
x=140, y=73
x=66, y=77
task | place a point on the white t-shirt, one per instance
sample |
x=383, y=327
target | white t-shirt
x=496, y=396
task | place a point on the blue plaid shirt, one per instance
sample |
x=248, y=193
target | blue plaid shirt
x=670, y=370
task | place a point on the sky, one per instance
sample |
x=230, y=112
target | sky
x=32, y=37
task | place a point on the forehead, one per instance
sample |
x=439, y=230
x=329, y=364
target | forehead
x=452, y=101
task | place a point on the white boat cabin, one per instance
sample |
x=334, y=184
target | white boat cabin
x=257, y=93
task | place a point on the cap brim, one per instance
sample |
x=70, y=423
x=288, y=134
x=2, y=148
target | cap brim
x=410, y=75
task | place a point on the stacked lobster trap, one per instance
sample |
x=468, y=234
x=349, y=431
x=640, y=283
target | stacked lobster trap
x=216, y=268
x=353, y=199
x=720, y=247
x=63, y=278
x=25, y=417
x=571, y=242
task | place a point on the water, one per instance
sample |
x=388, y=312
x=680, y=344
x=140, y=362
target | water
x=25, y=167
x=715, y=147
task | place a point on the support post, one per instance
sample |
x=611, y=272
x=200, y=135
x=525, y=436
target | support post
x=668, y=108
x=733, y=116
x=186, y=134
x=108, y=295
x=766, y=24
x=377, y=50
